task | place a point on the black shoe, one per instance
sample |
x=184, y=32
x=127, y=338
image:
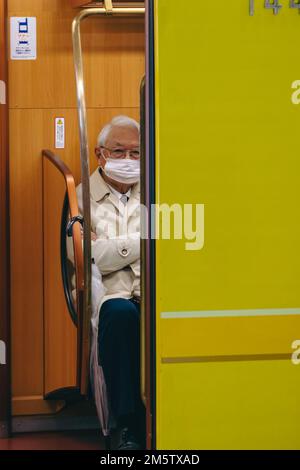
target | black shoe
x=127, y=440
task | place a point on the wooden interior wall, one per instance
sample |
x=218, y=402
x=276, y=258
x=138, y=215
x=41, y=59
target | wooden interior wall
x=41, y=90
x=4, y=236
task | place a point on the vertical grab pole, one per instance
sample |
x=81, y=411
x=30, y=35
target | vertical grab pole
x=84, y=323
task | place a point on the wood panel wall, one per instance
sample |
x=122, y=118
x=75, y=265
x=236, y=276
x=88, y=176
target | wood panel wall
x=4, y=236
x=40, y=91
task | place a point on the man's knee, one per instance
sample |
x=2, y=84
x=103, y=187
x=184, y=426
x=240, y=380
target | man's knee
x=120, y=312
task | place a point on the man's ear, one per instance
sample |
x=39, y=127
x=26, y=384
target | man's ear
x=98, y=154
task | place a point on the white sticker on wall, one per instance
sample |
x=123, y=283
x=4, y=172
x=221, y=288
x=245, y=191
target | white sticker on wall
x=2, y=92
x=2, y=353
x=22, y=38
x=59, y=133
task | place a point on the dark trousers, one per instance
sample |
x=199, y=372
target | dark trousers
x=119, y=356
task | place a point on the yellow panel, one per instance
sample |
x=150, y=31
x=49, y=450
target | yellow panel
x=232, y=405
x=226, y=336
x=226, y=138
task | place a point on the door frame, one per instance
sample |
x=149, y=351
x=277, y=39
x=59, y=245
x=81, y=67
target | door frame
x=150, y=254
x=5, y=378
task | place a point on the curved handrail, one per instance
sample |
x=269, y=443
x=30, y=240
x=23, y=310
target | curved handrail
x=74, y=211
x=65, y=232
x=72, y=205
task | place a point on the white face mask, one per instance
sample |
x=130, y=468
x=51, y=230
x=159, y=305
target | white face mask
x=124, y=170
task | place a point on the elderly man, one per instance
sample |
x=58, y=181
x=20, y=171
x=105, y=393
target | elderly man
x=115, y=218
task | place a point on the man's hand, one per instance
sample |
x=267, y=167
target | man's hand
x=93, y=235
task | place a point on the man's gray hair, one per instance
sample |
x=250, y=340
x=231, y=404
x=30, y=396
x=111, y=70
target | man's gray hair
x=118, y=121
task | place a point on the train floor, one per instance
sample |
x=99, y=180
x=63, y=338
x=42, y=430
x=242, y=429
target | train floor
x=64, y=440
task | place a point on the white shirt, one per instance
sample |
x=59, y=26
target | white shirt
x=118, y=194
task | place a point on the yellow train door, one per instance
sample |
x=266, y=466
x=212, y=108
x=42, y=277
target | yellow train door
x=225, y=158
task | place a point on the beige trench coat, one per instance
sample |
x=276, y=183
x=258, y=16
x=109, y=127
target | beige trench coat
x=116, y=251
x=116, y=272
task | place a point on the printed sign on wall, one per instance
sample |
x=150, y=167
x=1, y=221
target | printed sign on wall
x=59, y=133
x=22, y=38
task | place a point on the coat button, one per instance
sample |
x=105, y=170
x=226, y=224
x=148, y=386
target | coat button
x=124, y=251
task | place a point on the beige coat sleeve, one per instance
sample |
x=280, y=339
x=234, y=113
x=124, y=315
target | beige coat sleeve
x=113, y=254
